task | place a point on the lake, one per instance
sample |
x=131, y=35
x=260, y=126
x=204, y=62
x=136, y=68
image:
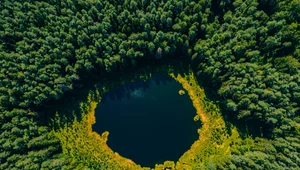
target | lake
x=148, y=121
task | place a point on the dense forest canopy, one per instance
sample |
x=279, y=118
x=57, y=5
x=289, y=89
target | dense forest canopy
x=247, y=52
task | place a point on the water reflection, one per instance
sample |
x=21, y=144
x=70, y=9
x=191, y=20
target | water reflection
x=149, y=122
x=136, y=89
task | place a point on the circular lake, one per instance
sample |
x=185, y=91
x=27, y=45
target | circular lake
x=148, y=121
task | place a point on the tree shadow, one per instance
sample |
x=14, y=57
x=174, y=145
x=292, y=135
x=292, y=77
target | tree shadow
x=56, y=113
x=118, y=86
x=127, y=90
x=113, y=86
x=251, y=128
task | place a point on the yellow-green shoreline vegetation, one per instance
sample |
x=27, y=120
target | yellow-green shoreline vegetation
x=82, y=144
x=247, y=51
x=215, y=141
x=213, y=146
x=181, y=92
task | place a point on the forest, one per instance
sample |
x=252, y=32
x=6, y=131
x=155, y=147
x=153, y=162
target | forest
x=246, y=53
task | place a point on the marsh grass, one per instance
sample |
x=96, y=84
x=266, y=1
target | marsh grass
x=217, y=139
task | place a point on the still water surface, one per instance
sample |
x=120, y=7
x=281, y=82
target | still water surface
x=148, y=122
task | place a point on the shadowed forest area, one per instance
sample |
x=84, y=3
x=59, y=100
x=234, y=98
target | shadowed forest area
x=244, y=53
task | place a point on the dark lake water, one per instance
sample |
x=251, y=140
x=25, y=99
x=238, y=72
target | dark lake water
x=148, y=122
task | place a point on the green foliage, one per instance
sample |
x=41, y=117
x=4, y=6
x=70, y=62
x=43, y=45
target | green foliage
x=251, y=58
x=248, y=52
